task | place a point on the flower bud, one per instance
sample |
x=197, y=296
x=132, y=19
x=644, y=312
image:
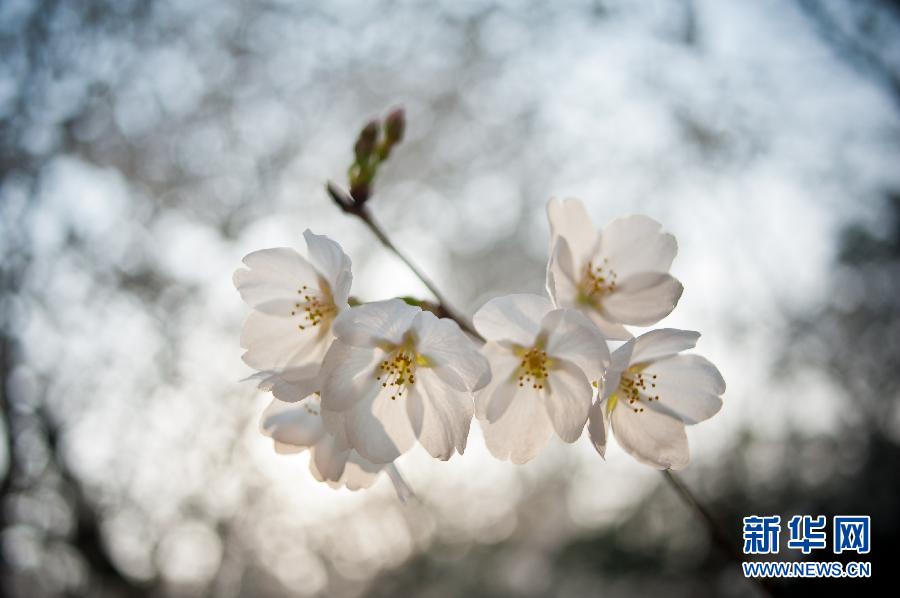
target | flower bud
x=394, y=126
x=365, y=143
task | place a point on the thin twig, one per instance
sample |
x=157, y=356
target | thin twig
x=349, y=206
x=715, y=530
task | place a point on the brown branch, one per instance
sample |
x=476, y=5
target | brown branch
x=349, y=206
x=718, y=535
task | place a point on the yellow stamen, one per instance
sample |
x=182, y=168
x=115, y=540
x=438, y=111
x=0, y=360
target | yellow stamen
x=636, y=388
x=316, y=306
x=597, y=281
x=398, y=371
x=534, y=367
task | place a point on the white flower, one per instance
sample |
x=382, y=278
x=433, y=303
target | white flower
x=396, y=374
x=615, y=276
x=295, y=301
x=544, y=361
x=298, y=426
x=651, y=392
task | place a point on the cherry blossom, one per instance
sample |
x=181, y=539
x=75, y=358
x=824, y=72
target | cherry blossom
x=295, y=301
x=396, y=374
x=619, y=275
x=651, y=392
x=543, y=361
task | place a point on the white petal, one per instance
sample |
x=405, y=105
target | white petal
x=563, y=275
x=283, y=448
x=571, y=336
x=512, y=318
x=637, y=244
x=328, y=460
x=378, y=427
x=450, y=353
x=440, y=416
x=568, y=400
x=275, y=344
x=297, y=424
x=688, y=386
x=349, y=377
x=664, y=342
x=598, y=426
x=619, y=362
x=651, y=437
x=332, y=263
x=643, y=299
x=293, y=384
x=375, y=324
x=504, y=364
x=612, y=331
x=334, y=424
x=359, y=473
x=498, y=400
x=273, y=278
x=569, y=219
x=620, y=359
x=523, y=429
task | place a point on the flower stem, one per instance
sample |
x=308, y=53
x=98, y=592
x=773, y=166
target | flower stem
x=719, y=536
x=349, y=206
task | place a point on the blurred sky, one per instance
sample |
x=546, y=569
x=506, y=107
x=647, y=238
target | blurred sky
x=173, y=139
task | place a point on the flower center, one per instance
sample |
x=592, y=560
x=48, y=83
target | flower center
x=533, y=367
x=635, y=387
x=317, y=306
x=398, y=371
x=598, y=280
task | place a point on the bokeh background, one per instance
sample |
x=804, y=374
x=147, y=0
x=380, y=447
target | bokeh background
x=145, y=147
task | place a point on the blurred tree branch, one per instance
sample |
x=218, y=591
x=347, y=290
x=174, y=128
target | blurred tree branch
x=854, y=49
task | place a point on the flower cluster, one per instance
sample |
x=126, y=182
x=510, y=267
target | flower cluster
x=359, y=386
